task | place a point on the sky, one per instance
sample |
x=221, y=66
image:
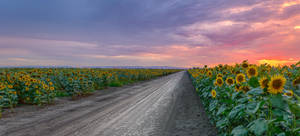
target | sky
x=182, y=33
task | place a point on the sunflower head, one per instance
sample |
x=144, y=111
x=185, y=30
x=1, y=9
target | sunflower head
x=240, y=78
x=237, y=72
x=51, y=88
x=209, y=73
x=237, y=87
x=276, y=84
x=245, y=64
x=232, y=71
x=219, y=75
x=213, y=93
x=215, y=83
x=263, y=82
x=220, y=65
x=219, y=81
x=252, y=71
x=229, y=81
x=296, y=81
x=289, y=93
x=245, y=88
x=289, y=74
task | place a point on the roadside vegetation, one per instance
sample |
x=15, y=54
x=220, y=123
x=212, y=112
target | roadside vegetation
x=40, y=86
x=248, y=99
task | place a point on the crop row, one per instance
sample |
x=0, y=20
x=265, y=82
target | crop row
x=40, y=86
x=248, y=99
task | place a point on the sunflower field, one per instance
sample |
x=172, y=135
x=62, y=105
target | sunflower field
x=41, y=86
x=249, y=100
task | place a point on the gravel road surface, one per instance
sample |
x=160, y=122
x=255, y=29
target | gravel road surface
x=166, y=106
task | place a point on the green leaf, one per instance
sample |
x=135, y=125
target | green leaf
x=255, y=92
x=280, y=114
x=242, y=100
x=281, y=134
x=297, y=130
x=212, y=106
x=221, y=109
x=278, y=102
x=237, y=111
x=234, y=95
x=253, y=107
x=239, y=131
x=222, y=123
x=258, y=127
x=253, y=82
x=295, y=109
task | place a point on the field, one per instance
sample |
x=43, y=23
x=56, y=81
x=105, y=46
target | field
x=164, y=106
x=41, y=86
x=248, y=99
x=240, y=100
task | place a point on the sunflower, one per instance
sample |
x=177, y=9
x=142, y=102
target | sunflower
x=289, y=74
x=215, y=83
x=219, y=75
x=10, y=86
x=252, y=71
x=237, y=72
x=237, y=87
x=240, y=78
x=276, y=84
x=289, y=93
x=224, y=72
x=232, y=71
x=229, y=81
x=51, y=88
x=245, y=88
x=296, y=81
x=213, y=93
x=219, y=81
x=263, y=82
x=209, y=73
x=245, y=64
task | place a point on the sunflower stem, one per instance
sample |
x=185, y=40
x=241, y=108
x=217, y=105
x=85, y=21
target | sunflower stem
x=0, y=112
x=269, y=116
x=297, y=97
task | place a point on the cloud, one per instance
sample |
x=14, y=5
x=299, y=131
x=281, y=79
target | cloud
x=154, y=32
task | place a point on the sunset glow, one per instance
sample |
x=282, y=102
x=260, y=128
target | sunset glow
x=277, y=62
x=174, y=33
x=297, y=27
x=291, y=3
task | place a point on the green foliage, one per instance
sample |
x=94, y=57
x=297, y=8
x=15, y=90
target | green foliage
x=239, y=131
x=258, y=127
x=254, y=109
x=253, y=82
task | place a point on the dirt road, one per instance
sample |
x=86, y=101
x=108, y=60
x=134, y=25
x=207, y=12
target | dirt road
x=160, y=107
